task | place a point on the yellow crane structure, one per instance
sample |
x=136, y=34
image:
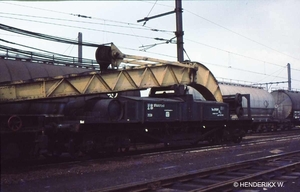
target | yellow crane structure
x=138, y=73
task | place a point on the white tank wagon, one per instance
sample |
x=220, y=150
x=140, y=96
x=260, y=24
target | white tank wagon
x=261, y=104
x=287, y=106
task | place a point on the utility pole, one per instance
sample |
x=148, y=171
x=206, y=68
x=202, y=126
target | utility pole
x=179, y=31
x=79, y=47
x=289, y=81
x=289, y=77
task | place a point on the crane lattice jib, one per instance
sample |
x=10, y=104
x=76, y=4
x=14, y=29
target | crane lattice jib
x=144, y=73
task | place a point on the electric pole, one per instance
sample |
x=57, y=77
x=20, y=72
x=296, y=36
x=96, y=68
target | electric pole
x=289, y=77
x=79, y=47
x=179, y=31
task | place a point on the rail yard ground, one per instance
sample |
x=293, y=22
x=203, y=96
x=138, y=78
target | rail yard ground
x=100, y=174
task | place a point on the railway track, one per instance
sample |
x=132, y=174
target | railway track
x=271, y=171
x=102, y=170
x=278, y=131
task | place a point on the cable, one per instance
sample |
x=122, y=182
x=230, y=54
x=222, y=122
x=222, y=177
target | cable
x=44, y=36
x=223, y=50
x=240, y=35
x=239, y=69
x=48, y=37
x=89, y=17
x=197, y=15
x=280, y=69
x=170, y=56
x=80, y=27
x=198, y=42
x=33, y=7
x=149, y=13
x=68, y=20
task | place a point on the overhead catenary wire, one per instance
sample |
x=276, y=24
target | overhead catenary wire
x=186, y=10
x=67, y=59
x=126, y=24
x=125, y=48
x=44, y=36
x=249, y=71
x=149, y=12
x=157, y=30
x=197, y=15
x=77, y=21
x=48, y=37
x=245, y=56
x=220, y=49
x=96, y=45
x=118, y=33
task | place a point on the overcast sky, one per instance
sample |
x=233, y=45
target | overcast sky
x=240, y=41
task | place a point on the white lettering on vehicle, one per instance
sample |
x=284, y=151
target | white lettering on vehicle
x=217, y=112
x=151, y=106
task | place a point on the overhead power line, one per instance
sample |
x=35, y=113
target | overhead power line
x=118, y=33
x=248, y=57
x=89, y=17
x=77, y=21
x=241, y=35
x=150, y=12
x=44, y=36
x=249, y=71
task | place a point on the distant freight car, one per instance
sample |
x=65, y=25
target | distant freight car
x=287, y=106
x=261, y=101
x=269, y=111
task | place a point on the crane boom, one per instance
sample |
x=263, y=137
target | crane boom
x=145, y=73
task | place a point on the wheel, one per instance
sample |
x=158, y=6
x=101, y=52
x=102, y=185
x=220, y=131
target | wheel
x=14, y=123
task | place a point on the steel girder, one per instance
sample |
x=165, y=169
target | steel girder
x=110, y=81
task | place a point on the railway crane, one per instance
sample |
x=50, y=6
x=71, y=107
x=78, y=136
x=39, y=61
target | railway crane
x=72, y=111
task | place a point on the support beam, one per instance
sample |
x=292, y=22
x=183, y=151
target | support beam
x=136, y=78
x=79, y=47
x=179, y=30
x=289, y=77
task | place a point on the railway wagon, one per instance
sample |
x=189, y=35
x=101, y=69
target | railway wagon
x=101, y=124
x=171, y=117
x=287, y=107
x=261, y=104
x=21, y=122
x=26, y=114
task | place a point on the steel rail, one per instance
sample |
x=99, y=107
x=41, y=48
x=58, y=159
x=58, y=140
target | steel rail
x=229, y=183
x=182, y=179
